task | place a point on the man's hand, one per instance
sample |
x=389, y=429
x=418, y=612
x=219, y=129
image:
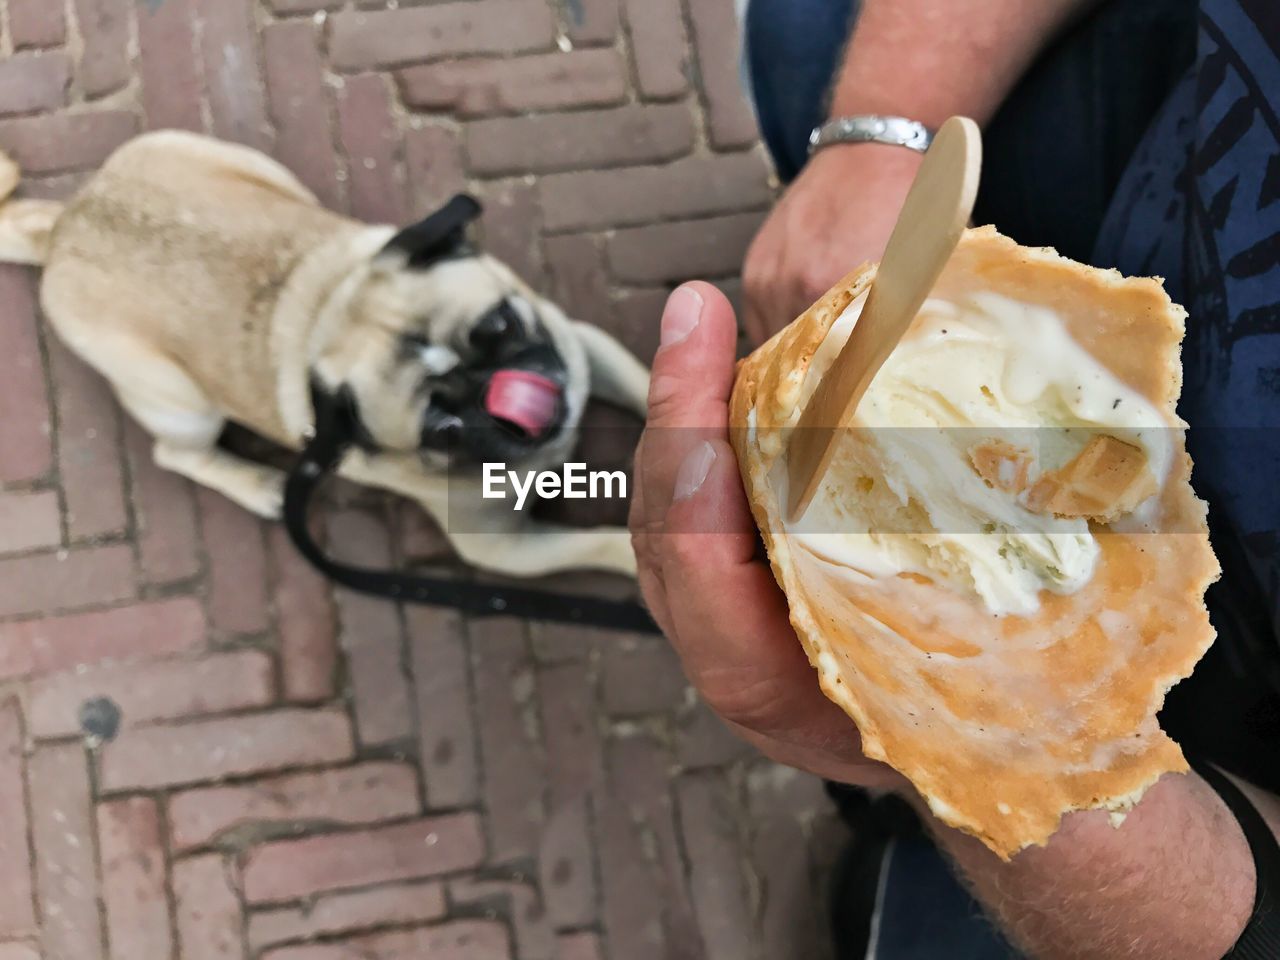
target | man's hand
x=838, y=214
x=696, y=543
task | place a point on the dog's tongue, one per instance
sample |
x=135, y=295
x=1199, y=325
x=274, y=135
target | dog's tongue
x=528, y=400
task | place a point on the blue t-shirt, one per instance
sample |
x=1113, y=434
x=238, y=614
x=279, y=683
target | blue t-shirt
x=1200, y=205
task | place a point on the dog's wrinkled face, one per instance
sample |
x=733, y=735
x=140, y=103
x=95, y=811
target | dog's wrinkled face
x=457, y=359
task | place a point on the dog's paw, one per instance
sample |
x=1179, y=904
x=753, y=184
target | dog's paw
x=265, y=497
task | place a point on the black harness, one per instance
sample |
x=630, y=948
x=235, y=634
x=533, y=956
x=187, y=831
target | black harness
x=338, y=429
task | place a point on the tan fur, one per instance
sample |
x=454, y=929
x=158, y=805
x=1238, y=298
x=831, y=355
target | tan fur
x=208, y=284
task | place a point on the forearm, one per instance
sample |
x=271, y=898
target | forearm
x=932, y=59
x=1175, y=881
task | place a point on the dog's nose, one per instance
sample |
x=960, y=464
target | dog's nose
x=440, y=430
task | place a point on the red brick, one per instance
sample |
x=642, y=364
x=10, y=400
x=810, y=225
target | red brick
x=442, y=680
x=169, y=65
x=290, y=869
x=420, y=537
x=361, y=40
x=514, y=775
x=517, y=902
x=237, y=564
x=65, y=868
x=104, y=62
x=142, y=630
x=511, y=228
x=638, y=314
x=63, y=581
x=703, y=740
x=581, y=140
x=433, y=167
x=146, y=692
x=642, y=677
x=299, y=105
x=305, y=621
x=26, y=444
x=17, y=910
x=692, y=187
x=55, y=142
x=716, y=883
x=33, y=81
x=37, y=23
x=59, y=186
x=579, y=281
x=231, y=77
x=369, y=138
x=671, y=252
x=548, y=81
x=591, y=21
x=659, y=48
x=134, y=879
x=366, y=793
x=783, y=800
x=731, y=122
x=226, y=747
x=164, y=509
x=28, y=521
x=372, y=634
x=18, y=951
x=288, y=7
x=575, y=774
x=456, y=940
x=207, y=910
x=90, y=467
x=579, y=946
x=645, y=902
x=327, y=916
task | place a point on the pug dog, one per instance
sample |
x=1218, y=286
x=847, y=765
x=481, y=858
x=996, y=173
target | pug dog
x=208, y=285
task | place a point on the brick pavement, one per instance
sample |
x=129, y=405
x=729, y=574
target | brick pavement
x=206, y=754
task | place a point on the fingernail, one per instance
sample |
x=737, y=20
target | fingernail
x=683, y=311
x=693, y=472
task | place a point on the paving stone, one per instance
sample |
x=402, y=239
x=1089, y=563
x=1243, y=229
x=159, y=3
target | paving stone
x=456, y=940
x=366, y=793
x=299, y=105
x=169, y=65
x=17, y=907
x=75, y=640
x=232, y=83
x=104, y=61
x=658, y=46
x=65, y=580
x=580, y=140
x=442, y=683
x=147, y=692
x=371, y=141
x=363, y=40
x=65, y=869
x=29, y=521
x=674, y=252
x=165, y=521
x=715, y=30
x=306, y=622
x=31, y=82
x=716, y=881
x=237, y=564
x=550, y=81
x=333, y=914
x=207, y=910
x=26, y=442
x=37, y=23
x=134, y=879
x=57, y=142
x=214, y=749
x=290, y=869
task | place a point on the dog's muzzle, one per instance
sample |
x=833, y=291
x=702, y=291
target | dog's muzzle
x=507, y=400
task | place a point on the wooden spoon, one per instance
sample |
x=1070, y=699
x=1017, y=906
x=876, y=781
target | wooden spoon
x=933, y=218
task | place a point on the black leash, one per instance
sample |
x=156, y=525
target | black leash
x=337, y=430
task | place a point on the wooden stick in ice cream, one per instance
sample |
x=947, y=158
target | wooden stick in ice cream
x=933, y=217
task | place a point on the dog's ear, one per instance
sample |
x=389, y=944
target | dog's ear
x=440, y=235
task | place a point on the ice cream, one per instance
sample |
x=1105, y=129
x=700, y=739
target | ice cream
x=1003, y=570
x=978, y=375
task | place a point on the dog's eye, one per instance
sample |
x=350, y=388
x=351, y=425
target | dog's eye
x=494, y=327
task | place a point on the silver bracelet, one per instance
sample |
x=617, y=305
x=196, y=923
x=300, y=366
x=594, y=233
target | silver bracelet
x=869, y=128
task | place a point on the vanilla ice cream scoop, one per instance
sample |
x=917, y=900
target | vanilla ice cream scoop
x=1003, y=570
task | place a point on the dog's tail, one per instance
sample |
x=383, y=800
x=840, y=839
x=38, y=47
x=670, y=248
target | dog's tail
x=25, y=225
